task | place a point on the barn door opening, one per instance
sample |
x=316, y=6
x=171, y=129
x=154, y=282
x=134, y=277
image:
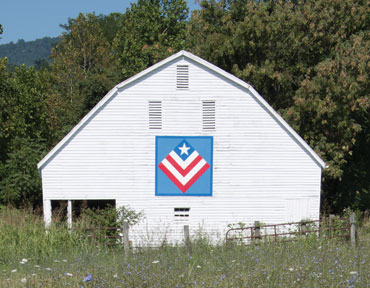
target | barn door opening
x=59, y=211
x=78, y=206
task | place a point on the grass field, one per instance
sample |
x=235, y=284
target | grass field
x=29, y=257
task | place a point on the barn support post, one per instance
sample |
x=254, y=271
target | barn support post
x=352, y=221
x=69, y=215
x=126, y=242
x=47, y=212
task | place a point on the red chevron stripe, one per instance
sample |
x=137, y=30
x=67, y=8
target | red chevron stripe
x=172, y=178
x=185, y=171
x=185, y=187
x=196, y=177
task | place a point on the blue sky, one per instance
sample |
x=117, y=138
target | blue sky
x=34, y=19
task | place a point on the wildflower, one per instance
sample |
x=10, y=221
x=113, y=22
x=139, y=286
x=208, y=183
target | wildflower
x=68, y=274
x=198, y=266
x=291, y=269
x=14, y=270
x=155, y=262
x=37, y=266
x=88, y=278
x=23, y=261
x=115, y=276
x=64, y=260
x=33, y=274
x=223, y=277
x=23, y=280
x=353, y=272
x=49, y=269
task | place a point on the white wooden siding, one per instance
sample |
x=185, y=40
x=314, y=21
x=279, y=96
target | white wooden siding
x=260, y=171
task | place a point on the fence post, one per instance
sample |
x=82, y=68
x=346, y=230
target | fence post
x=126, y=242
x=331, y=225
x=352, y=221
x=257, y=231
x=187, y=237
x=303, y=228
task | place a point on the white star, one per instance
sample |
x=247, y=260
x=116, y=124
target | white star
x=184, y=149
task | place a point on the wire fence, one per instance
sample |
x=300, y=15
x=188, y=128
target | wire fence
x=327, y=227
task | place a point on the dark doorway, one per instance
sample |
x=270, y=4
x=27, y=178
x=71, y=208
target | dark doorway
x=79, y=205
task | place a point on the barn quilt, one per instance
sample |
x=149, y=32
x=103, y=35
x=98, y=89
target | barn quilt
x=184, y=165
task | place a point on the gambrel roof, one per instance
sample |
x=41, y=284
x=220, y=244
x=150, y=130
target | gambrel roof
x=185, y=54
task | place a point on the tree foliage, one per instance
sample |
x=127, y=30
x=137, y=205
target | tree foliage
x=150, y=31
x=22, y=133
x=83, y=69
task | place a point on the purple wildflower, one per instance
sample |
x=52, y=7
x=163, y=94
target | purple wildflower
x=88, y=278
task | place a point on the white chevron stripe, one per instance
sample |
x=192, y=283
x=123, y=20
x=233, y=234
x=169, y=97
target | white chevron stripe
x=184, y=180
x=183, y=164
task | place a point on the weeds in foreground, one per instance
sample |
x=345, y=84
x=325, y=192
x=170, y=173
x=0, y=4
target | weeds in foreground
x=32, y=258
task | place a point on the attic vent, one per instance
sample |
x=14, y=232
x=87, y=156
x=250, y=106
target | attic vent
x=209, y=115
x=182, y=213
x=155, y=114
x=182, y=77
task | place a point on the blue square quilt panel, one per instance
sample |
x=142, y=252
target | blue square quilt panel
x=184, y=165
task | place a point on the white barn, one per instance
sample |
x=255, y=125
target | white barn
x=186, y=143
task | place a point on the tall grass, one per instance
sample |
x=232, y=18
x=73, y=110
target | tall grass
x=23, y=234
x=61, y=259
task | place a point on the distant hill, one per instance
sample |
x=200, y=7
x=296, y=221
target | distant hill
x=32, y=53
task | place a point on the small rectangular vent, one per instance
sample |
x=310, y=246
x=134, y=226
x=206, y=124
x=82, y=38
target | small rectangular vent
x=182, y=80
x=209, y=115
x=182, y=213
x=155, y=114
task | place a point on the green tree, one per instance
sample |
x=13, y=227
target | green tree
x=151, y=30
x=22, y=133
x=83, y=69
x=20, y=182
x=332, y=112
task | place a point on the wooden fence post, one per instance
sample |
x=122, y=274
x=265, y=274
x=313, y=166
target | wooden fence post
x=126, y=242
x=331, y=225
x=257, y=231
x=303, y=228
x=352, y=221
x=187, y=237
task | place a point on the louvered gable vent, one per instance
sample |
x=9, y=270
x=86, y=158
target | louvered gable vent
x=209, y=115
x=155, y=114
x=182, y=80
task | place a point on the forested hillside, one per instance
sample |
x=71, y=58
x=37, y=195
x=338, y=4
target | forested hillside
x=308, y=59
x=31, y=53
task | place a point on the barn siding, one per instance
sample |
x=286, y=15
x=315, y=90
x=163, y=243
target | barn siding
x=259, y=168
